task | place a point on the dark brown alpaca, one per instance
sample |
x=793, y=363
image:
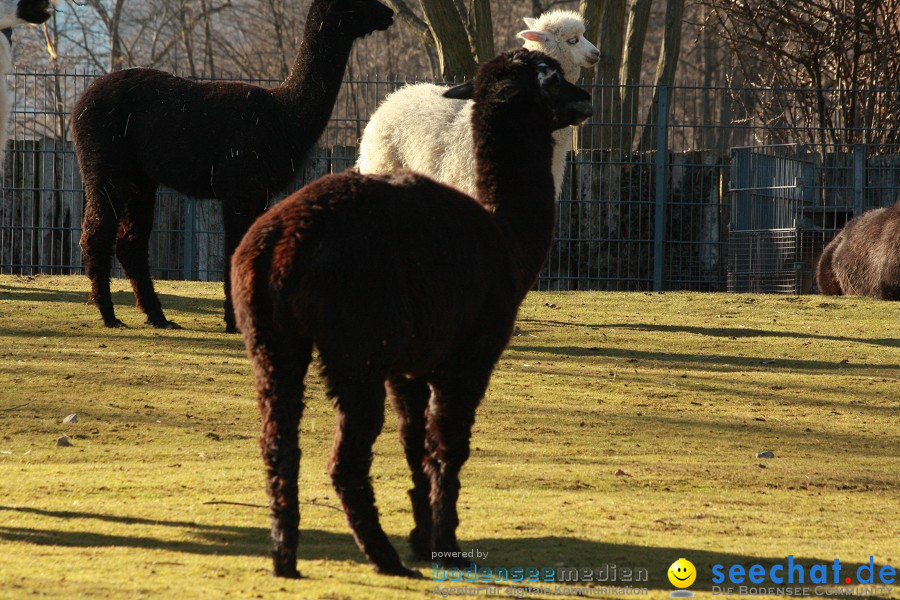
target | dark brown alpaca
x=864, y=258
x=239, y=143
x=405, y=283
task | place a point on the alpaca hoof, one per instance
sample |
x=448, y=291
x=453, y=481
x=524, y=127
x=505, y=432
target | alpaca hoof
x=399, y=571
x=420, y=545
x=114, y=324
x=232, y=329
x=287, y=572
x=164, y=324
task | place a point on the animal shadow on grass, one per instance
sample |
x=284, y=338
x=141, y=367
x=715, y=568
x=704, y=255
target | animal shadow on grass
x=213, y=539
x=717, y=362
x=548, y=552
x=536, y=552
x=724, y=332
x=178, y=303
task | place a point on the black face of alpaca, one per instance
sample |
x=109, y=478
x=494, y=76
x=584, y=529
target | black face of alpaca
x=34, y=11
x=569, y=103
x=566, y=103
x=359, y=18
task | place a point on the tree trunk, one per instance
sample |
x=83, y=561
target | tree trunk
x=665, y=68
x=592, y=11
x=116, y=58
x=638, y=18
x=450, y=38
x=481, y=25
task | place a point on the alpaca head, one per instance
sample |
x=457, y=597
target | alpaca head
x=560, y=33
x=354, y=18
x=523, y=77
x=24, y=11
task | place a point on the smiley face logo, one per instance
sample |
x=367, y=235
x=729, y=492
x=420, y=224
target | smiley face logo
x=682, y=573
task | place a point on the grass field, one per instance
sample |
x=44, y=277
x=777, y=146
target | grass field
x=619, y=428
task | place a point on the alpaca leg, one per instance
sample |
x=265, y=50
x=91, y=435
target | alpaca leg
x=410, y=398
x=280, y=368
x=360, y=416
x=132, y=250
x=236, y=225
x=451, y=414
x=98, y=234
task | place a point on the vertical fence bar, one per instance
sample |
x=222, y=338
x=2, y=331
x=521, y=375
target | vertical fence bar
x=859, y=179
x=190, y=210
x=662, y=153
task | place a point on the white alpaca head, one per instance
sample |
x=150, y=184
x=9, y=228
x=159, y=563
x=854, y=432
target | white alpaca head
x=560, y=33
x=14, y=12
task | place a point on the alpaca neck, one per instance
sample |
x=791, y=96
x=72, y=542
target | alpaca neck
x=315, y=79
x=515, y=182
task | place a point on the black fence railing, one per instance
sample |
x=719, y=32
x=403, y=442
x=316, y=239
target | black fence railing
x=630, y=217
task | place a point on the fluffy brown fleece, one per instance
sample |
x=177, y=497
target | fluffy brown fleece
x=864, y=258
x=405, y=283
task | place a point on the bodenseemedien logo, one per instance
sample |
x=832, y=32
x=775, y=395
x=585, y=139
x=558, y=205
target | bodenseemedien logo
x=682, y=574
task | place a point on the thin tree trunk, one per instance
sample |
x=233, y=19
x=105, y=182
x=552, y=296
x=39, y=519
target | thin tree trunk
x=592, y=11
x=665, y=67
x=450, y=38
x=481, y=24
x=636, y=33
x=116, y=58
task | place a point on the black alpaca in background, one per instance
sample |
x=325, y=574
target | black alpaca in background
x=139, y=128
x=864, y=258
x=399, y=280
x=14, y=12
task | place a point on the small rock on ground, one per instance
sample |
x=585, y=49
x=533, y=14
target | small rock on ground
x=63, y=441
x=766, y=454
x=73, y=418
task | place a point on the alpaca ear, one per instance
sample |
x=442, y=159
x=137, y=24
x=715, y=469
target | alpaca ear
x=529, y=22
x=532, y=35
x=463, y=91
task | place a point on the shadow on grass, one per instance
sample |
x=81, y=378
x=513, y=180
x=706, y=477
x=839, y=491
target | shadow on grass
x=722, y=362
x=551, y=552
x=217, y=539
x=548, y=552
x=726, y=332
x=188, y=304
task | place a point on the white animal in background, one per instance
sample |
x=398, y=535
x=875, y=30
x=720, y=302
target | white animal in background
x=416, y=128
x=5, y=69
x=14, y=13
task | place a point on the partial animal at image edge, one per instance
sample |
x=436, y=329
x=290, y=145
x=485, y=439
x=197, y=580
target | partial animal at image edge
x=864, y=258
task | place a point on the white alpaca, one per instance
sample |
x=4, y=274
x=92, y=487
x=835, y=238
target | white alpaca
x=14, y=13
x=5, y=68
x=416, y=128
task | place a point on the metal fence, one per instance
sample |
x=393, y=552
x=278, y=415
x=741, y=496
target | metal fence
x=738, y=199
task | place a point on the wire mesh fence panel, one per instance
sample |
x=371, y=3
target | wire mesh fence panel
x=653, y=196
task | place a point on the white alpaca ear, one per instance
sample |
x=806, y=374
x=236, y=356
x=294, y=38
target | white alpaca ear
x=533, y=35
x=463, y=91
x=529, y=21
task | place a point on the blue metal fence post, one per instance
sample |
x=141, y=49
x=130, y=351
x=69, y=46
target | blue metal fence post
x=189, y=214
x=662, y=155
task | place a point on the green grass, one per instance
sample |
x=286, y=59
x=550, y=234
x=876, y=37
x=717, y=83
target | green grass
x=678, y=390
